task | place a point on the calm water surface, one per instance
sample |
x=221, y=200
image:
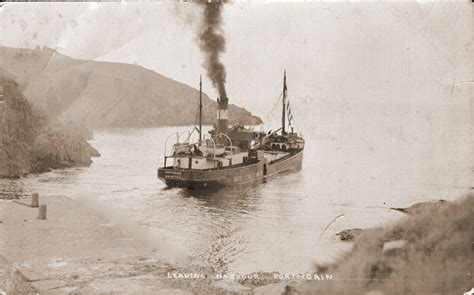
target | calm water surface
x=275, y=226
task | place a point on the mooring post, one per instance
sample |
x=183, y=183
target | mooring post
x=34, y=200
x=42, y=212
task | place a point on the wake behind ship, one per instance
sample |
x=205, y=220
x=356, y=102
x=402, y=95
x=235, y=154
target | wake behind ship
x=235, y=155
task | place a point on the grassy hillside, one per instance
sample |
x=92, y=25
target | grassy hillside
x=426, y=253
x=103, y=94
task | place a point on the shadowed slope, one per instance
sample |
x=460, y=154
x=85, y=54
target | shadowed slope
x=103, y=94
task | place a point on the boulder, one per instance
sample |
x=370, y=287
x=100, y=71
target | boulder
x=348, y=235
x=422, y=207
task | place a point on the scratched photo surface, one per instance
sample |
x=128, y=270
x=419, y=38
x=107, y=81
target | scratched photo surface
x=94, y=95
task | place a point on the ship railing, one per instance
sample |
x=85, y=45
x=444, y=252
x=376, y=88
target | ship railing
x=180, y=134
x=226, y=136
x=178, y=137
x=214, y=147
x=190, y=133
x=214, y=151
x=166, y=144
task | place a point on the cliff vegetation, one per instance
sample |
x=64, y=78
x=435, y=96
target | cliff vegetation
x=32, y=141
x=429, y=252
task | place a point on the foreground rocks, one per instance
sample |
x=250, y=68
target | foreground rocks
x=422, y=207
x=348, y=235
x=77, y=250
x=428, y=252
x=31, y=141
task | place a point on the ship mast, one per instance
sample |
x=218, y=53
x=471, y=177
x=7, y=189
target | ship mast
x=283, y=121
x=200, y=109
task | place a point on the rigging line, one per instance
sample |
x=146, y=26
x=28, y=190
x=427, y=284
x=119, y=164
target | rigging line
x=273, y=108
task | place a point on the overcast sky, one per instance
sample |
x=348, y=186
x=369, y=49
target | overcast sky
x=418, y=53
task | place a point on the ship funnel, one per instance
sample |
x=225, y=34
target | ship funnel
x=222, y=115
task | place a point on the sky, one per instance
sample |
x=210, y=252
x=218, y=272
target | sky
x=354, y=53
x=388, y=85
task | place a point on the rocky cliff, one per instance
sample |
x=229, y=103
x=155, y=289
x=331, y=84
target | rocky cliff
x=31, y=141
x=103, y=94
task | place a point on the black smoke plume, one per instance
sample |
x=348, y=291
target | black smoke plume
x=212, y=43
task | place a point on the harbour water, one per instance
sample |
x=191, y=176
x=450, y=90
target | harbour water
x=287, y=224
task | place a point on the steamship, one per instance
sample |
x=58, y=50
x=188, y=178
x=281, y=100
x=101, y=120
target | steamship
x=232, y=155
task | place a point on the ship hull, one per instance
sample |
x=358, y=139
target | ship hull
x=216, y=178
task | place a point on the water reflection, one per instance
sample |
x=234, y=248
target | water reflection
x=272, y=226
x=232, y=199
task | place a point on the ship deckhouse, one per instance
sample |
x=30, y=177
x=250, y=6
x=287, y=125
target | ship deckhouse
x=232, y=155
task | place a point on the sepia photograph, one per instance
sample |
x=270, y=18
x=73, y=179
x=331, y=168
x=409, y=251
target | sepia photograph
x=237, y=147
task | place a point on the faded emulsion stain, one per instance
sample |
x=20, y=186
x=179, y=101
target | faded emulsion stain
x=383, y=100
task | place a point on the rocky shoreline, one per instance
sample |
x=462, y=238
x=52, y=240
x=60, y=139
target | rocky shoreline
x=349, y=235
x=74, y=250
x=34, y=141
x=427, y=252
x=78, y=251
